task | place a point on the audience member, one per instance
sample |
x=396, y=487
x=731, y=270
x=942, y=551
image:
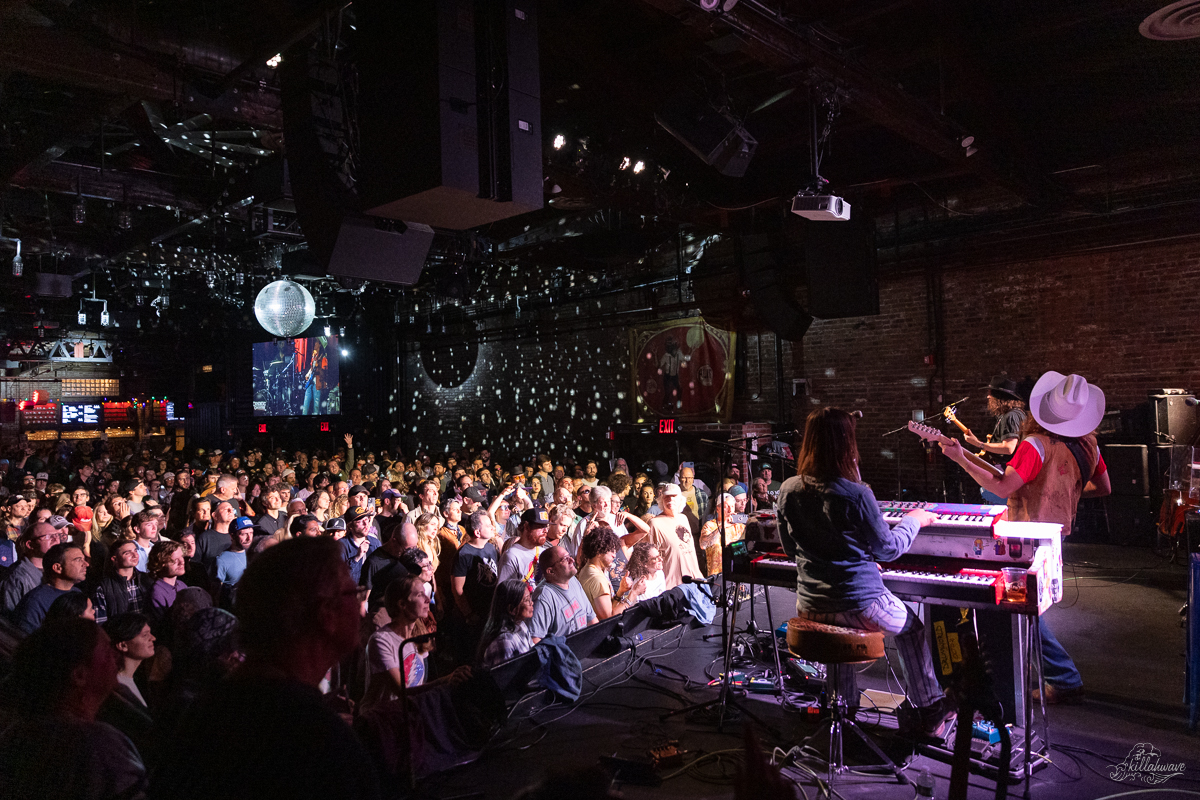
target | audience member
x=61, y=675
x=131, y=638
x=520, y=559
x=36, y=541
x=599, y=550
x=122, y=588
x=63, y=568
x=560, y=606
x=506, y=633
x=265, y=731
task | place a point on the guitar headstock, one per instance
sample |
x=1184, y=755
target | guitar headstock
x=925, y=432
x=948, y=413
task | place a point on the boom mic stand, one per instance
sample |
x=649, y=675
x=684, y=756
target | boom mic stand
x=725, y=697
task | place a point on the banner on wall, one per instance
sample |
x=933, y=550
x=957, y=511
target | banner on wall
x=682, y=369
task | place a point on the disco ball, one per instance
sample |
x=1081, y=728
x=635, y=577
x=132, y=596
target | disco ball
x=285, y=308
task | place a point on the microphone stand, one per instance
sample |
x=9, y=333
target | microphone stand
x=728, y=631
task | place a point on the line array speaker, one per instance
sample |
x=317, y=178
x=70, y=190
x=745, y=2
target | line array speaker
x=777, y=310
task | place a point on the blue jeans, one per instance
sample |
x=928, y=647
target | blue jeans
x=1060, y=670
x=991, y=499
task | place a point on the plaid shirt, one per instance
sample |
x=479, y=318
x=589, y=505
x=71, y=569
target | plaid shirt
x=139, y=601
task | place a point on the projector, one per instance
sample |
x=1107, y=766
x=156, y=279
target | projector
x=820, y=207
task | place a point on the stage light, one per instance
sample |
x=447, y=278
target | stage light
x=970, y=151
x=639, y=167
x=104, y=318
x=82, y=317
x=345, y=352
x=328, y=331
x=560, y=142
x=79, y=212
x=966, y=141
x=18, y=265
x=625, y=163
x=342, y=331
x=710, y=5
x=275, y=60
x=124, y=219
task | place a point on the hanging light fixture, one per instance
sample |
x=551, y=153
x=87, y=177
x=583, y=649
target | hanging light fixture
x=18, y=265
x=79, y=210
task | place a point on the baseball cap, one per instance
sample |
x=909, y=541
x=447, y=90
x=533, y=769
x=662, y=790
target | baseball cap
x=391, y=493
x=81, y=514
x=168, y=474
x=358, y=488
x=535, y=517
x=736, y=490
x=335, y=524
x=130, y=485
x=241, y=523
x=356, y=513
x=58, y=521
x=476, y=493
x=43, y=476
x=671, y=490
x=13, y=499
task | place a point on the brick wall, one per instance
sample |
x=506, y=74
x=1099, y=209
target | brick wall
x=1123, y=318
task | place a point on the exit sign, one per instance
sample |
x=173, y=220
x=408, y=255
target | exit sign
x=262, y=427
x=324, y=427
x=666, y=426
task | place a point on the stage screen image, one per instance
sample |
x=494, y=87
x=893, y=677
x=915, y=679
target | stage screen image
x=297, y=377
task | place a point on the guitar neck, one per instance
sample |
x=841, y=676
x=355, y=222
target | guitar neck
x=934, y=435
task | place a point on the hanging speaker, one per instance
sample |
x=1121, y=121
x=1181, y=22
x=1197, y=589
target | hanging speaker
x=840, y=264
x=777, y=310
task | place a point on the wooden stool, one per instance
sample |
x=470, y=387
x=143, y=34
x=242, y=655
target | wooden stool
x=838, y=648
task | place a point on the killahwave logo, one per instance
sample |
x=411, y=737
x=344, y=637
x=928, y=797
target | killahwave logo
x=1144, y=763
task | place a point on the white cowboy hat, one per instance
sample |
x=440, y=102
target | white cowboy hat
x=1066, y=404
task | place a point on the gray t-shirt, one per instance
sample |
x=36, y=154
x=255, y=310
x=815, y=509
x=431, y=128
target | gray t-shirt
x=558, y=612
x=520, y=562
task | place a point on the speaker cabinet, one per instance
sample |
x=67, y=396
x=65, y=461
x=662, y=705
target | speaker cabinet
x=716, y=138
x=1131, y=521
x=380, y=250
x=439, y=145
x=776, y=309
x=840, y=264
x=1128, y=469
x=1174, y=421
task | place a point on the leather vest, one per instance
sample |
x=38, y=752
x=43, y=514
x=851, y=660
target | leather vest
x=1053, y=495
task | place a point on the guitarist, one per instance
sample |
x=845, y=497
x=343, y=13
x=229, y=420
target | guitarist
x=1006, y=406
x=314, y=378
x=1056, y=464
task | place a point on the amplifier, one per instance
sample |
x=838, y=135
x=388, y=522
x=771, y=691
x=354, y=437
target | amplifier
x=1174, y=421
x=1131, y=521
x=1128, y=469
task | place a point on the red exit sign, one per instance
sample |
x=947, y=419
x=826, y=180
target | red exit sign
x=262, y=427
x=666, y=426
x=324, y=427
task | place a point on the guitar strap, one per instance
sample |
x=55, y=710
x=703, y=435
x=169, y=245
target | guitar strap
x=1081, y=459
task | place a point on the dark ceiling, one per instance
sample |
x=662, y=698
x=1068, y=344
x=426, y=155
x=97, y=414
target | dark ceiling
x=168, y=112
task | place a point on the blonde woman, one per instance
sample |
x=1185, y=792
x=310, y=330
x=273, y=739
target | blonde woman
x=427, y=526
x=118, y=508
x=340, y=506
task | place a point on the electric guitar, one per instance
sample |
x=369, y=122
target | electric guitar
x=934, y=435
x=949, y=415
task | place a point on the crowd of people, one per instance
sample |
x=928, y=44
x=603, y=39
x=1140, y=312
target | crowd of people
x=138, y=567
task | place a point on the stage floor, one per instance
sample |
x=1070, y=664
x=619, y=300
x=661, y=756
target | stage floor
x=1119, y=620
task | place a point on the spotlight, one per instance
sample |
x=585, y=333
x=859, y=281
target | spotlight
x=328, y=331
x=18, y=265
x=82, y=317
x=104, y=318
x=639, y=166
x=560, y=142
x=275, y=60
x=345, y=352
x=625, y=163
x=342, y=331
x=967, y=141
x=970, y=151
x=710, y=5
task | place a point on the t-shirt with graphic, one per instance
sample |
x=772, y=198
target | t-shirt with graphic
x=479, y=565
x=383, y=654
x=558, y=611
x=521, y=562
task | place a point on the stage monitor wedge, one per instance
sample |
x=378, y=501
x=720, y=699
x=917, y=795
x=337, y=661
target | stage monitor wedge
x=380, y=250
x=437, y=144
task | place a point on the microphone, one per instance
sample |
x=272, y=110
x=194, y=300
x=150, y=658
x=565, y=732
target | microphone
x=856, y=413
x=706, y=581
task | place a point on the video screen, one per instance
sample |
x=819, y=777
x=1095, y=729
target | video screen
x=81, y=414
x=297, y=377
